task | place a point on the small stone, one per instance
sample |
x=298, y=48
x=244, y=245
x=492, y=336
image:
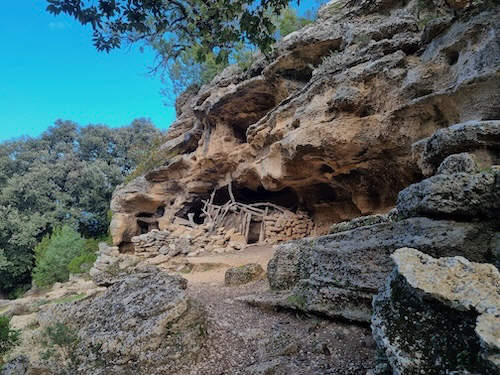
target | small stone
x=243, y=274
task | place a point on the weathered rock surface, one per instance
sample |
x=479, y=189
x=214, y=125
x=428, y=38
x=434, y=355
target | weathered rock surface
x=458, y=163
x=142, y=324
x=337, y=275
x=327, y=125
x=17, y=366
x=435, y=316
x=243, y=274
x=359, y=222
x=479, y=137
x=453, y=196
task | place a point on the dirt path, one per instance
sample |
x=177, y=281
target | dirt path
x=248, y=340
x=221, y=262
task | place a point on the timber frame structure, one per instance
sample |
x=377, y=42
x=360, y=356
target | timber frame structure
x=247, y=219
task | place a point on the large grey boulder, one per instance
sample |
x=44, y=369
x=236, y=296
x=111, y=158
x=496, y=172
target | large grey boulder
x=337, y=275
x=465, y=137
x=454, y=196
x=16, y=366
x=359, y=222
x=436, y=316
x=458, y=163
x=143, y=324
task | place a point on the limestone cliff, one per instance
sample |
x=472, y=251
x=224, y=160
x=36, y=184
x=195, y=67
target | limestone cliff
x=326, y=124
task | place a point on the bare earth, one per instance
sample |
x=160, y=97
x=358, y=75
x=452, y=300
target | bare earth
x=248, y=340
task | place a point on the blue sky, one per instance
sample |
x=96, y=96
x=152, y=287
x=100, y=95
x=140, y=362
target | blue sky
x=49, y=69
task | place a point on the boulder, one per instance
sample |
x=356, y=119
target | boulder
x=359, y=222
x=437, y=316
x=143, y=324
x=465, y=137
x=243, y=274
x=337, y=275
x=458, y=163
x=454, y=196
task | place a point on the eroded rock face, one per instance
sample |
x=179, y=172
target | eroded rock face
x=331, y=118
x=458, y=163
x=435, y=316
x=454, y=213
x=143, y=324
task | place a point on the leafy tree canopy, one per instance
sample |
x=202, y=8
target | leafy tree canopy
x=53, y=255
x=214, y=26
x=65, y=176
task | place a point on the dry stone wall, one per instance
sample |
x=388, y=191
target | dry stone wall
x=283, y=227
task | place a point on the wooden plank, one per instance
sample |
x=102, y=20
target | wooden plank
x=262, y=234
x=247, y=227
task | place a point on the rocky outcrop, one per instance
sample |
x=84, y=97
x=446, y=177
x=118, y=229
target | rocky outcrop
x=446, y=215
x=326, y=125
x=480, y=138
x=359, y=222
x=436, y=316
x=338, y=275
x=143, y=324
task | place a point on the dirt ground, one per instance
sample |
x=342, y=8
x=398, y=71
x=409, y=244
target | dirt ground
x=249, y=340
x=242, y=339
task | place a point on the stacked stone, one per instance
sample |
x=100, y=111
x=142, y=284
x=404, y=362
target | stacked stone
x=181, y=239
x=150, y=244
x=281, y=227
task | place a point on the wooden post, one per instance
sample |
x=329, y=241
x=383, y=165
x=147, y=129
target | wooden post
x=230, y=191
x=262, y=234
x=247, y=226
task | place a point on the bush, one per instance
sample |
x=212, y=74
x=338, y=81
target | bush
x=54, y=254
x=82, y=263
x=155, y=157
x=9, y=337
x=18, y=291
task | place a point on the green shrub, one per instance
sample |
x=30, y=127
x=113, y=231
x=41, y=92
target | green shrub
x=18, y=291
x=82, y=263
x=53, y=255
x=9, y=337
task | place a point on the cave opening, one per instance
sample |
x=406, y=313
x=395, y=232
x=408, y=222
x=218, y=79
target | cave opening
x=146, y=225
x=318, y=193
x=193, y=207
x=240, y=134
x=148, y=221
x=286, y=197
x=452, y=57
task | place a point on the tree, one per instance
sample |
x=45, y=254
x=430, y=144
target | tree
x=65, y=176
x=288, y=22
x=213, y=26
x=186, y=72
x=55, y=253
